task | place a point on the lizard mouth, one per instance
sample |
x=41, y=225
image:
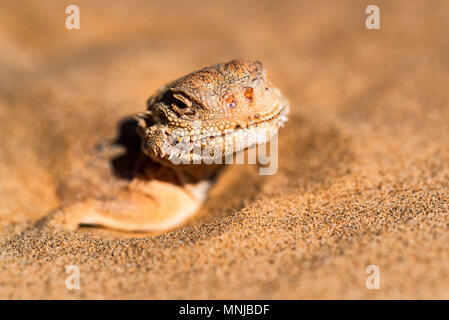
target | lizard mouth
x=197, y=130
x=227, y=140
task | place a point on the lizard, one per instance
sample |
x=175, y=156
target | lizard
x=221, y=109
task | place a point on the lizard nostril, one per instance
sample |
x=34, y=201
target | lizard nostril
x=249, y=91
x=229, y=101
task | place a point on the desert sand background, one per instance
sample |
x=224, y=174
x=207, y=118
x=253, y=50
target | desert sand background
x=363, y=162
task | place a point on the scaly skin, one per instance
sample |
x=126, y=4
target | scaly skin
x=220, y=109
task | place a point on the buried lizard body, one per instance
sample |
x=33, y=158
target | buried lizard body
x=220, y=111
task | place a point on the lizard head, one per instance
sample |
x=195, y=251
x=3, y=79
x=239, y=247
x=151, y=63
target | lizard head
x=226, y=106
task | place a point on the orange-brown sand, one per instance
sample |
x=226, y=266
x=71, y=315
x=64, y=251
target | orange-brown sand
x=363, y=162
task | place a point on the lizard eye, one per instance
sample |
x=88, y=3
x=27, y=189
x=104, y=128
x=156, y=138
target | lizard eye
x=249, y=91
x=179, y=101
x=171, y=99
x=229, y=101
x=179, y=104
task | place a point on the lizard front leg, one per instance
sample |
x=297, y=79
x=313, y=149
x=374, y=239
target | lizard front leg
x=143, y=205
